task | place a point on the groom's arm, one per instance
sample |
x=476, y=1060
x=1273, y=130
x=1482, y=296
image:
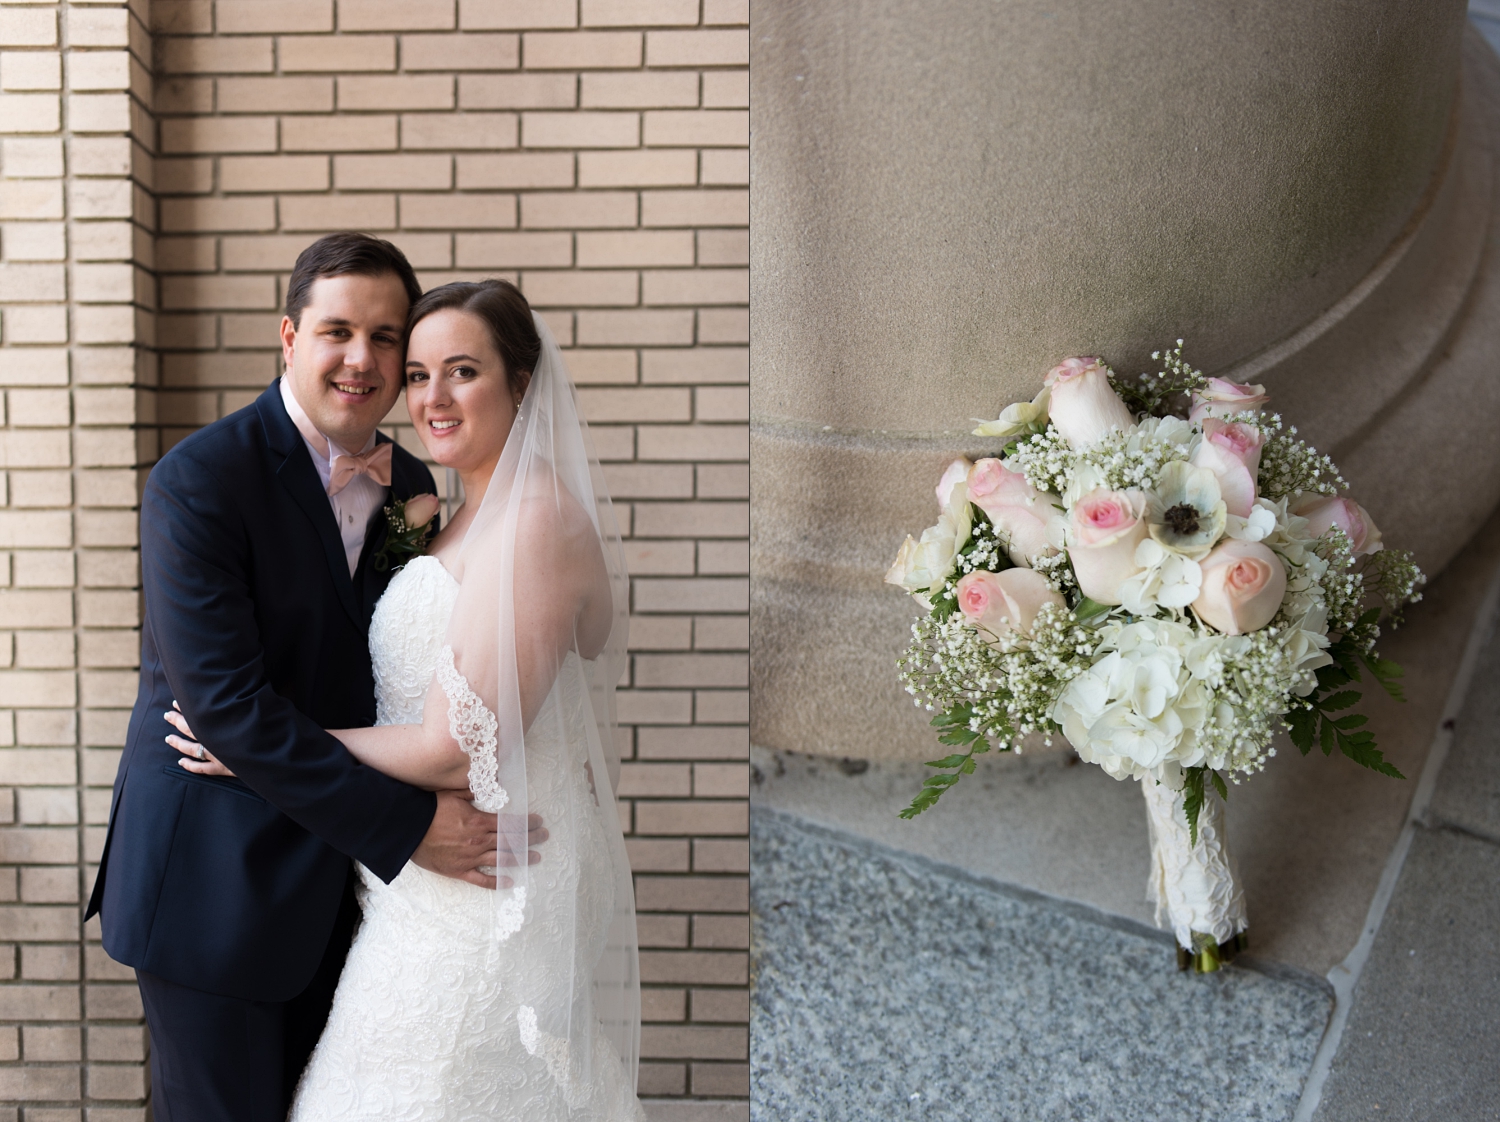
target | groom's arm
x=194, y=558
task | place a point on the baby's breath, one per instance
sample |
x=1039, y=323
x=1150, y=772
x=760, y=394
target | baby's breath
x=1393, y=576
x=1343, y=587
x=1131, y=460
x=1253, y=687
x=1289, y=465
x=1046, y=459
x=1156, y=393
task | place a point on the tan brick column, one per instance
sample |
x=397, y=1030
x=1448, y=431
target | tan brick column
x=593, y=151
x=78, y=302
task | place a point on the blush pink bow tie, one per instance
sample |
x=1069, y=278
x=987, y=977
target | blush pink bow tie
x=376, y=463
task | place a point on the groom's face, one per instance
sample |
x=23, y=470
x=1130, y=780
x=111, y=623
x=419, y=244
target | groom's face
x=344, y=355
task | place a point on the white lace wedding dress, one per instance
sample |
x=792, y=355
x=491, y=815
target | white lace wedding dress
x=419, y=1029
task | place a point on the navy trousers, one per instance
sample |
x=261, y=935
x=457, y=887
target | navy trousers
x=224, y=1059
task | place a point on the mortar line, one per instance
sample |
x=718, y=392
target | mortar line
x=1345, y=976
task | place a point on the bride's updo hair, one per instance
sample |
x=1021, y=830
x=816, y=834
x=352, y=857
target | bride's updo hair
x=504, y=311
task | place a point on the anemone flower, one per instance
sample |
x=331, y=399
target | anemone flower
x=1187, y=512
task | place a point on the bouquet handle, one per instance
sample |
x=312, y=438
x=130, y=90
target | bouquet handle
x=1194, y=887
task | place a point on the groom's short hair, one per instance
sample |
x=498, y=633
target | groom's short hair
x=337, y=255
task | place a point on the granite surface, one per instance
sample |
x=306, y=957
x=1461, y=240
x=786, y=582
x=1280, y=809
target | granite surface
x=888, y=986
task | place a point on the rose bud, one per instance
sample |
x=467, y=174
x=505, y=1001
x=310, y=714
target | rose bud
x=957, y=470
x=1223, y=398
x=1103, y=530
x=1243, y=583
x=419, y=510
x=1324, y=512
x=1016, y=509
x=1232, y=452
x=999, y=603
x=1084, y=406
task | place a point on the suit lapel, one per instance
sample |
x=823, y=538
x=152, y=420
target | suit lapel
x=300, y=477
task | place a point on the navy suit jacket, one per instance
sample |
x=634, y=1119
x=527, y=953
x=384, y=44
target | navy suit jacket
x=253, y=624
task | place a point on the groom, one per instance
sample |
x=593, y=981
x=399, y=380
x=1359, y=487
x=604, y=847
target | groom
x=233, y=898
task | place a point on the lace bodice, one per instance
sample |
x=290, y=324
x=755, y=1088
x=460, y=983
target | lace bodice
x=424, y=1026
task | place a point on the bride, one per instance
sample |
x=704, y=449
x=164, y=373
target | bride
x=495, y=658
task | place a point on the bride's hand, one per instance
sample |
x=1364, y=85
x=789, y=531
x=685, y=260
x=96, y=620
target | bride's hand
x=200, y=760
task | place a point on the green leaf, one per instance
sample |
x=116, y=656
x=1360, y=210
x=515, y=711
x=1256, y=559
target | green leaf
x=1219, y=785
x=968, y=766
x=1327, y=733
x=1192, y=799
x=1385, y=672
x=943, y=781
x=1366, y=754
x=1341, y=700
x=1352, y=721
x=958, y=736
x=925, y=798
x=1345, y=657
x=1331, y=677
x=1087, y=609
x=958, y=715
x=1304, y=724
x=955, y=760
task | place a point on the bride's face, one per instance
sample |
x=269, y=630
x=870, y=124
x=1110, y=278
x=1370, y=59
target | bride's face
x=457, y=392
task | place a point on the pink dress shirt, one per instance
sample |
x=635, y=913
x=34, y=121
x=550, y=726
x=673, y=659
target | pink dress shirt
x=360, y=498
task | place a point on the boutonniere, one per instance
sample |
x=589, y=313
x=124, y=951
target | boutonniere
x=408, y=527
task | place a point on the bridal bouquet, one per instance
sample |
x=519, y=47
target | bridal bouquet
x=1169, y=577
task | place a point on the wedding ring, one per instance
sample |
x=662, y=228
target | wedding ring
x=200, y=754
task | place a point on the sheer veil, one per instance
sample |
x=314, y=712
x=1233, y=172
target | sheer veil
x=538, y=633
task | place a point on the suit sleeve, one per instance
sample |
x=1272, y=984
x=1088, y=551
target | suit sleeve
x=194, y=557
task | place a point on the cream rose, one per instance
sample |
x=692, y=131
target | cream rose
x=1222, y=398
x=957, y=470
x=1243, y=583
x=1232, y=452
x=1083, y=405
x=1000, y=603
x=1324, y=512
x=1031, y=520
x=925, y=564
x=1017, y=418
x=1104, y=528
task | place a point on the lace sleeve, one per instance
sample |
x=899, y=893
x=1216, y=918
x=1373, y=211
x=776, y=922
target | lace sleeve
x=474, y=727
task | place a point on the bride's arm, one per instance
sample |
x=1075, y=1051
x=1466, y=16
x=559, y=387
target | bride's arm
x=423, y=755
x=561, y=603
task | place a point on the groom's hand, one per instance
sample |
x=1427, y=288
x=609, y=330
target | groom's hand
x=462, y=840
x=459, y=841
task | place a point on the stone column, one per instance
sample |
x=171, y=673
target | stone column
x=951, y=198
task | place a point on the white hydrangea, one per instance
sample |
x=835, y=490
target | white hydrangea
x=1139, y=706
x=1168, y=580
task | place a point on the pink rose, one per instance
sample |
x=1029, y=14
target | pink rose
x=419, y=510
x=1015, y=508
x=1103, y=530
x=1224, y=399
x=1084, y=406
x=1324, y=512
x=1232, y=452
x=998, y=603
x=955, y=471
x=1243, y=583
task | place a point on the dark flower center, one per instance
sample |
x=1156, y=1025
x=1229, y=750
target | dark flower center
x=1182, y=518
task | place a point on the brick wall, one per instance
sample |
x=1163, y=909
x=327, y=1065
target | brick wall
x=161, y=167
